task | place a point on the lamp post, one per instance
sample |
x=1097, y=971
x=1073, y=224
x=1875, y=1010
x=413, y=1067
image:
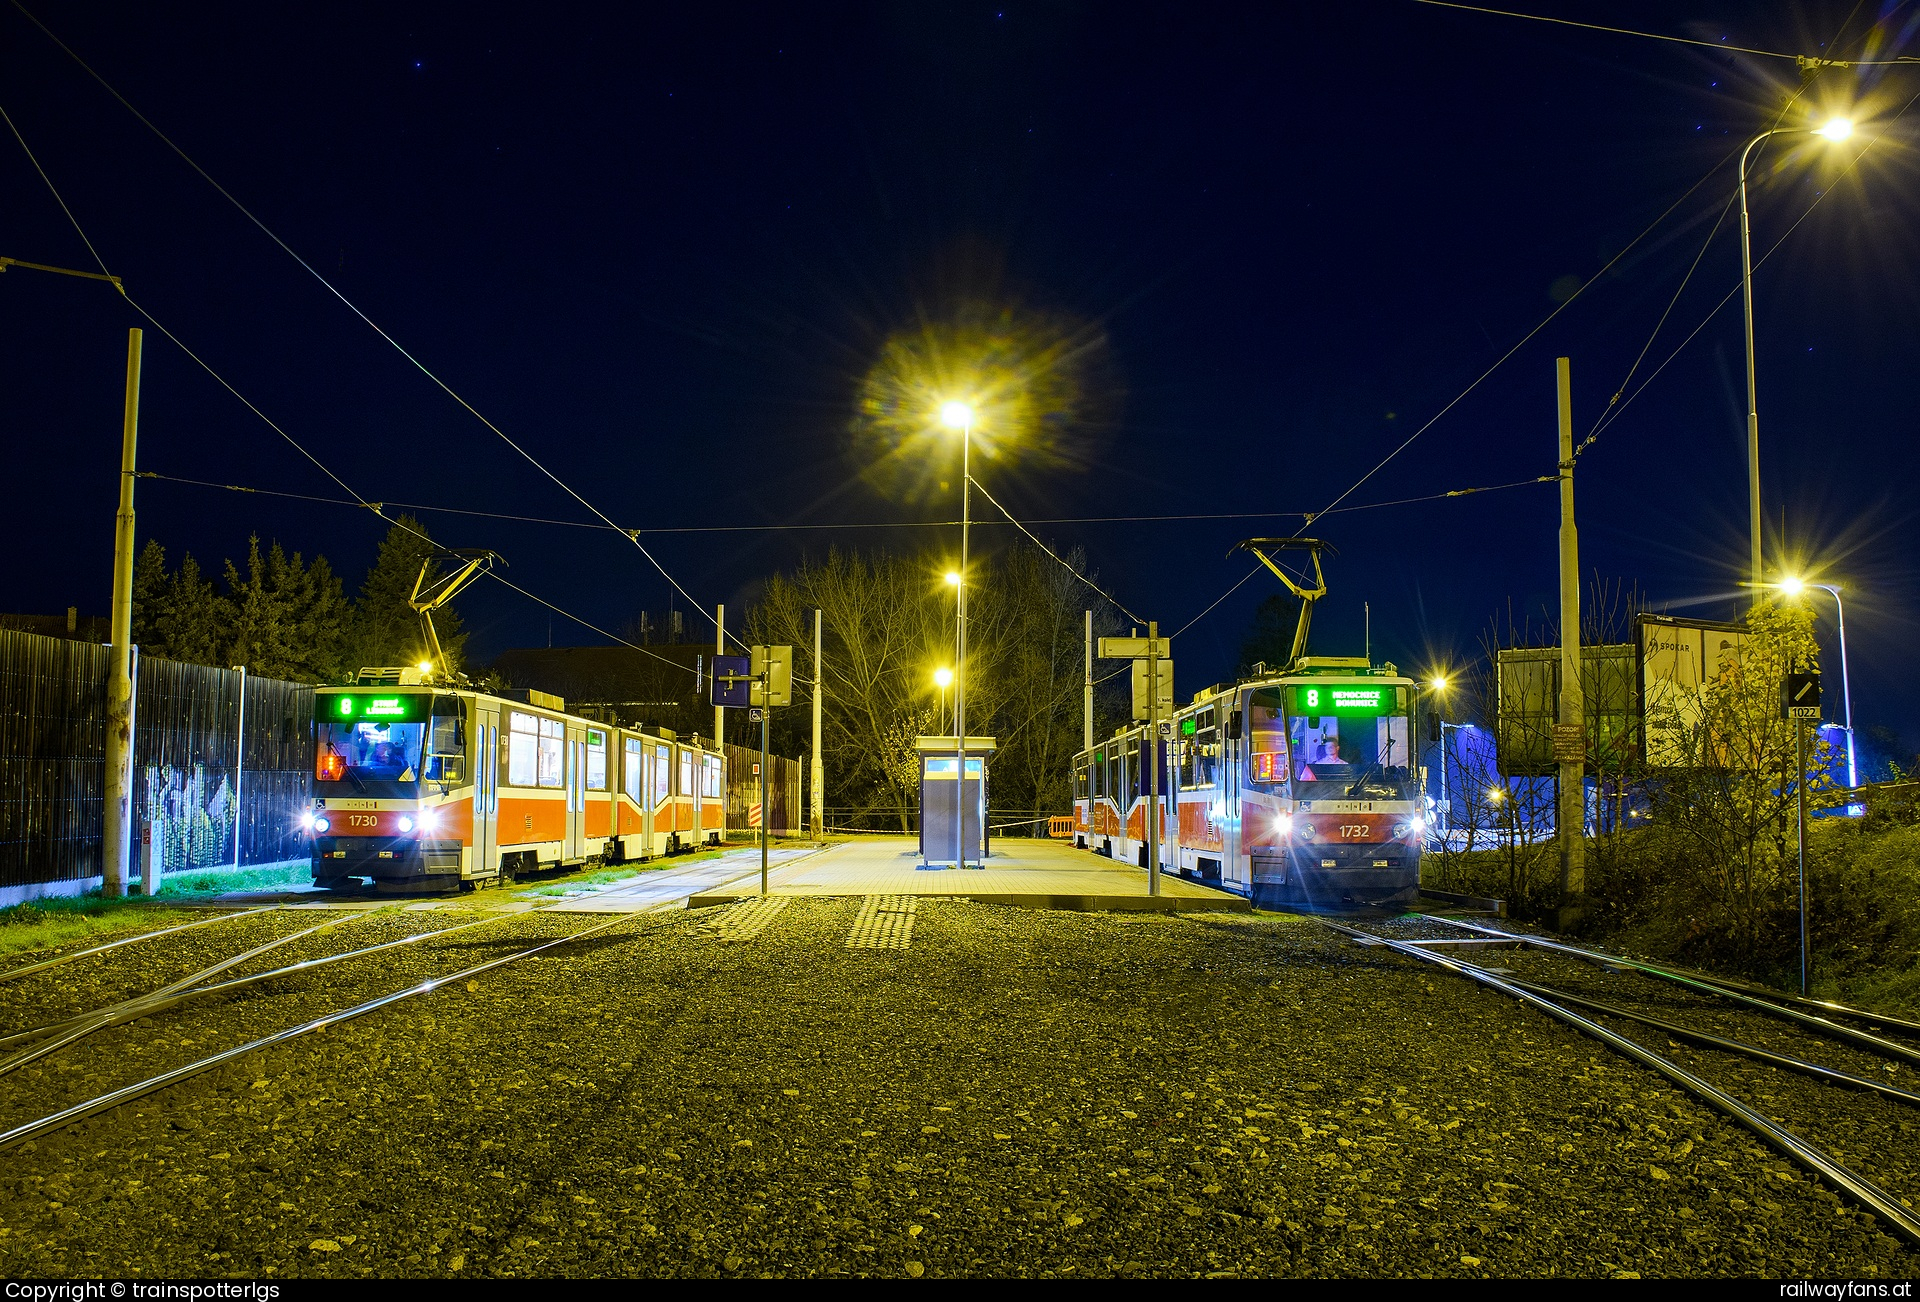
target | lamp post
x=1835, y=130
x=1793, y=587
x=958, y=415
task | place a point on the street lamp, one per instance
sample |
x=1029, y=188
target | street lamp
x=958, y=415
x=1793, y=586
x=1836, y=129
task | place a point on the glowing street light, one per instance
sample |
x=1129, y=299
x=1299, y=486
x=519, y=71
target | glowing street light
x=1793, y=585
x=1439, y=684
x=953, y=578
x=956, y=415
x=1835, y=130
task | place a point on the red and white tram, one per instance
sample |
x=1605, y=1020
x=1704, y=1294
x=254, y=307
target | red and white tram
x=1296, y=790
x=436, y=785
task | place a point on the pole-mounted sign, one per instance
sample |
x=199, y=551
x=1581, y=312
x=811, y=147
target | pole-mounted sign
x=1800, y=696
x=732, y=680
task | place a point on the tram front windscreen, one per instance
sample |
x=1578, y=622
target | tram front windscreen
x=1355, y=748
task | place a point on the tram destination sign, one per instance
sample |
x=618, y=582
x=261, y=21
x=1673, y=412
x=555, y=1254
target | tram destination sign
x=385, y=707
x=1344, y=700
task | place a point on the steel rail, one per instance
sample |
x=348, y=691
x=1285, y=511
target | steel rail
x=1831, y=1075
x=1862, y=1190
x=1749, y=988
x=101, y=1018
x=159, y=1002
x=1825, y=1005
x=1876, y=1043
x=126, y=1094
x=31, y=968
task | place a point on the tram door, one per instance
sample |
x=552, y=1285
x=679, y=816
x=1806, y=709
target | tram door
x=485, y=851
x=571, y=784
x=696, y=772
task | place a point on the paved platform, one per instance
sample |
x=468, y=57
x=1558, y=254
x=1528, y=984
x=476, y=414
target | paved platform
x=736, y=870
x=1024, y=873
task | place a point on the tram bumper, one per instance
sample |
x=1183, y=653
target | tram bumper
x=385, y=859
x=1336, y=878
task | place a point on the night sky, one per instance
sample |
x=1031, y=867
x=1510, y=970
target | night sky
x=661, y=245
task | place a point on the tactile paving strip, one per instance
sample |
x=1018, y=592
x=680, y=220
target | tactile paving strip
x=884, y=922
x=745, y=920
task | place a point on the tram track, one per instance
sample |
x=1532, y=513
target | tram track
x=41, y=1042
x=106, y=1102
x=1559, y=983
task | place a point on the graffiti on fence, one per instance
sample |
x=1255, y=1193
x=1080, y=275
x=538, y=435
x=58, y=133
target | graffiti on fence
x=191, y=817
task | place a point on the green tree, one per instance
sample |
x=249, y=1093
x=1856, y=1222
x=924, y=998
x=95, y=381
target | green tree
x=383, y=629
x=1269, y=636
x=177, y=615
x=286, y=617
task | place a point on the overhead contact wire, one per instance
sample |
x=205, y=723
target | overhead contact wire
x=1660, y=36
x=1050, y=552
x=375, y=326
x=358, y=500
x=1524, y=340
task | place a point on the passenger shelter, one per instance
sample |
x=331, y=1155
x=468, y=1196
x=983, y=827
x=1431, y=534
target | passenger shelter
x=953, y=813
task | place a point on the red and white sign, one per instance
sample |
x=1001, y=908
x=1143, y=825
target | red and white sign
x=753, y=814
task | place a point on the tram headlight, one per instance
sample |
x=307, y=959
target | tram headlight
x=406, y=822
x=1283, y=825
x=430, y=820
x=321, y=823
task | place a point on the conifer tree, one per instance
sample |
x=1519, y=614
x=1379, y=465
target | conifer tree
x=385, y=629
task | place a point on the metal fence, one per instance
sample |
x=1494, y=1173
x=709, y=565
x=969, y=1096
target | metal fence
x=192, y=748
x=189, y=740
x=53, y=730
x=788, y=812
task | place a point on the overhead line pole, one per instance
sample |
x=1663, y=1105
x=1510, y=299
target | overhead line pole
x=1570, y=737
x=117, y=841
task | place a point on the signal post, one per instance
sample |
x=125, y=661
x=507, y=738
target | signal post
x=759, y=680
x=1152, y=658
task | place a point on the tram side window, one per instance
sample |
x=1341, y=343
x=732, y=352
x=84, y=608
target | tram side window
x=596, y=760
x=686, y=773
x=662, y=774
x=1098, y=772
x=631, y=770
x=1114, y=775
x=447, y=750
x=1206, y=748
x=712, y=790
x=1079, y=779
x=1267, y=741
x=1131, y=777
x=523, y=744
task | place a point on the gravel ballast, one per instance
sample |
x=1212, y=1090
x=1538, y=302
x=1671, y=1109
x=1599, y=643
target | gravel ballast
x=1016, y=1093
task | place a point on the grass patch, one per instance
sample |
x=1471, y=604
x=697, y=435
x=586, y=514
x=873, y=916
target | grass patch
x=74, y=919
x=200, y=883
x=587, y=881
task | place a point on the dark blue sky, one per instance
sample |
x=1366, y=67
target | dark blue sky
x=661, y=247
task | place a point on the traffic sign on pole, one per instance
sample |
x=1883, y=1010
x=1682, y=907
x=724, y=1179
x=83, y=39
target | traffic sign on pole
x=1135, y=648
x=732, y=680
x=1800, y=696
